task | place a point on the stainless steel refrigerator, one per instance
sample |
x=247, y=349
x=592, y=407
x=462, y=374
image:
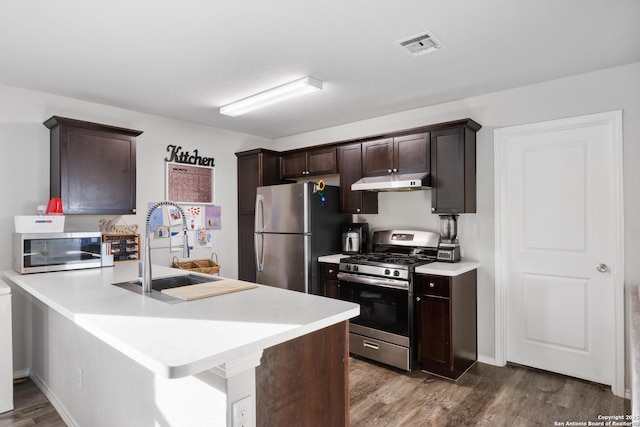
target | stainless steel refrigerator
x=295, y=224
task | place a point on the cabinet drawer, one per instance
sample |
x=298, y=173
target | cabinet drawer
x=329, y=271
x=433, y=285
x=380, y=351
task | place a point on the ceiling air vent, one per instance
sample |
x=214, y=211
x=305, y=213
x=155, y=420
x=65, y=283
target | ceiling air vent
x=421, y=44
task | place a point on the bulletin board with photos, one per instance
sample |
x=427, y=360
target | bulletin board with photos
x=192, y=187
x=166, y=222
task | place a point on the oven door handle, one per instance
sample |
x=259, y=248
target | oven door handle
x=375, y=281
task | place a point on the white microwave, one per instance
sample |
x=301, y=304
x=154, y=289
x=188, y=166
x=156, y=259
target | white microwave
x=43, y=252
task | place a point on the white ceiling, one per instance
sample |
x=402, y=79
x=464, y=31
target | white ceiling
x=185, y=59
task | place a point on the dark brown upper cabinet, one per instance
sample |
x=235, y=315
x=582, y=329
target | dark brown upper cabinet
x=412, y=153
x=314, y=162
x=93, y=167
x=453, y=169
x=401, y=154
x=350, y=166
x=445, y=150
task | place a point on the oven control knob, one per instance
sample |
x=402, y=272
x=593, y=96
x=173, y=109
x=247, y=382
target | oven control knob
x=387, y=271
x=396, y=273
x=348, y=267
x=355, y=268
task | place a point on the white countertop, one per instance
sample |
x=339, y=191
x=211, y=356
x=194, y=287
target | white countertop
x=178, y=340
x=439, y=268
x=448, y=268
x=332, y=259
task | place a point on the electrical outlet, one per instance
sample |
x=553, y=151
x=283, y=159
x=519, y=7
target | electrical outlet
x=243, y=412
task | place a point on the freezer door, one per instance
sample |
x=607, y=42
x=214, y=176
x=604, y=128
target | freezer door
x=282, y=209
x=283, y=261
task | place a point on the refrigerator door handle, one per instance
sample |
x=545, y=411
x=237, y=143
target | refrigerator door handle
x=259, y=251
x=259, y=221
x=258, y=228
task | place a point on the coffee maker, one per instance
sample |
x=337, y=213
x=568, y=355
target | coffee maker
x=354, y=237
x=449, y=248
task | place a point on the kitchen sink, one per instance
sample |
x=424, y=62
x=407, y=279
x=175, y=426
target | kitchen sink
x=157, y=285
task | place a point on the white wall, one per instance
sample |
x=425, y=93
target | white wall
x=24, y=172
x=611, y=89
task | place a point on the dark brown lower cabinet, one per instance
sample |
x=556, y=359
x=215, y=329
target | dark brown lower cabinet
x=305, y=381
x=329, y=280
x=446, y=323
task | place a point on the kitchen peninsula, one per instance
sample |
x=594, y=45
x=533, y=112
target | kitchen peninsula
x=107, y=356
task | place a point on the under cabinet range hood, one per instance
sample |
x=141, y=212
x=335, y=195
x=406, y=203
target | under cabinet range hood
x=402, y=182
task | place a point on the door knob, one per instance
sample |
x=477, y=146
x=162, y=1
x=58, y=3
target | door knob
x=602, y=268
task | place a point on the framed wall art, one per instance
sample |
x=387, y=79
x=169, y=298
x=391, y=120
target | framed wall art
x=189, y=184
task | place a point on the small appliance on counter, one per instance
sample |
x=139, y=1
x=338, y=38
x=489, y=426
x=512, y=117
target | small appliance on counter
x=354, y=237
x=449, y=247
x=44, y=252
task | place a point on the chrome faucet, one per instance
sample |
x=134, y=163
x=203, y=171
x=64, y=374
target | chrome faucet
x=146, y=254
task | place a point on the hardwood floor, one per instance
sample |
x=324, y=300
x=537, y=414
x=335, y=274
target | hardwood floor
x=31, y=408
x=379, y=396
x=484, y=396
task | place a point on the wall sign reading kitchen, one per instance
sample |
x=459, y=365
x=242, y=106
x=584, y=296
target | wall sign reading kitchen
x=179, y=156
x=190, y=177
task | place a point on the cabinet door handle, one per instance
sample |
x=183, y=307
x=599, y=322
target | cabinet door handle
x=432, y=285
x=418, y=299
x=395, y=170
x=389, y=171
x=133, y=210
x=330, y=271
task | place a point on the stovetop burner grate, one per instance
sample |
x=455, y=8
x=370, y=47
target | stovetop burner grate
x=398, y=249
x=389, y=259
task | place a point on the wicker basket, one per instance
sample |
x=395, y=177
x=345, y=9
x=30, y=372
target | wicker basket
x=206, y=266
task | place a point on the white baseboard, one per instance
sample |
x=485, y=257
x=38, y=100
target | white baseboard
x=488, y=360
x=23, y=373
x=64, y=414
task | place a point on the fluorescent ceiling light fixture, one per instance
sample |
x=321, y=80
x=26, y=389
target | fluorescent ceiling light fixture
x=268, y=97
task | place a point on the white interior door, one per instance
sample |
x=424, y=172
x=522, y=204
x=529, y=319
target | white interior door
x=558, y=254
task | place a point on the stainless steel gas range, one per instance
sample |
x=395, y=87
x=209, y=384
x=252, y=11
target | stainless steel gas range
x=381, y=282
